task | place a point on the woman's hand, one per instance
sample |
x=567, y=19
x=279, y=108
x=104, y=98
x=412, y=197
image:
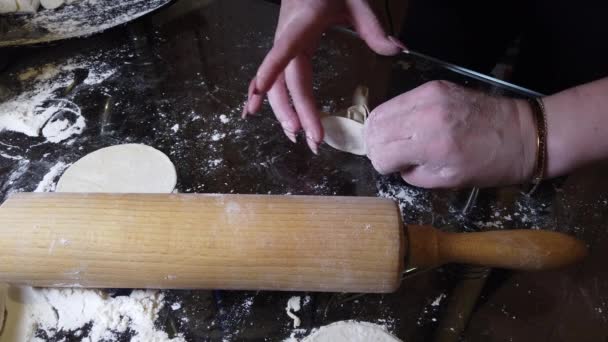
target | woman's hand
x=442, y=135
x=287, y=69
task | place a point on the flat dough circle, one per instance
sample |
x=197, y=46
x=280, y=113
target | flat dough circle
x=351, y=331
x=129, y=168
x=344, y=134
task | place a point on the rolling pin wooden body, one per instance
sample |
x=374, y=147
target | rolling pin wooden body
x=348, y=244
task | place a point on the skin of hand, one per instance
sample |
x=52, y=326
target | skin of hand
x=441, y=135
x=577, y=119
x=287, y=69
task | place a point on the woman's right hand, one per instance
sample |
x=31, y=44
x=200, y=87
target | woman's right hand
x=287, y=69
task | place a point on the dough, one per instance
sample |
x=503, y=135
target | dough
x=120, y=169
x=51, y=4
x=344, y=134
x=351, y=331
x=130, y=168
x=8, y=6
x=28, y=6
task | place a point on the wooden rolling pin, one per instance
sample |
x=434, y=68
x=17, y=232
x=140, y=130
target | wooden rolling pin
x=174, y=241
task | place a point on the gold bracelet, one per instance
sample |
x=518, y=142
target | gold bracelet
x=538, y=110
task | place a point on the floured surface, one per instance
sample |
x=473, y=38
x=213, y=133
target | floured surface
x=46, y=314
x=41, y=110
x=128, y=168
x=80, y=18
x=179, y=86
x=351, y=331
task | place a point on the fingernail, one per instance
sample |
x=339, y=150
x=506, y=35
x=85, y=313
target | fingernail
x=314, y=147
x=249, y=95
x=245, y=110
x=290, y=135
x=398, y=43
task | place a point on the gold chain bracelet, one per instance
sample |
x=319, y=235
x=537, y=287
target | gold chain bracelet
x=538, y=110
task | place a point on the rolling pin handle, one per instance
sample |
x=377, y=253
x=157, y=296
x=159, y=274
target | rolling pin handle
x=526, y=250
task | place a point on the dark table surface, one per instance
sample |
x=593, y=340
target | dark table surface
x=179, y=83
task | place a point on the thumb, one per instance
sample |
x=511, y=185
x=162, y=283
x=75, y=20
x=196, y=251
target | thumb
x=368, y=26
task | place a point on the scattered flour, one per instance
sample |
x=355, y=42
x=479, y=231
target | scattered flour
x=234, y=319
x=9, y=186
x=65, y=121
x=39, y=111
x=293, y=305
x=21, y=114
x=407, y=197
x=43, y=73
x=218, y=136
x=99, y=76
x=175, y=128
x=214, y=162
x=438, y=300
x=523, y=214
x=36, y=315
x=48, y=182
x=8, y=156
x=497, y=224
x=54, y=311
x=224, y=119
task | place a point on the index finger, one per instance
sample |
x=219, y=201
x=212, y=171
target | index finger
x=395, y=156
x=298, y=35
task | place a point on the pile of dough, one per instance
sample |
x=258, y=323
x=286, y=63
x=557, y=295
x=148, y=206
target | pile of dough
x=8, y=6
x=19, y=6
x=30, y=6
x=52, y=4
x=129, y=168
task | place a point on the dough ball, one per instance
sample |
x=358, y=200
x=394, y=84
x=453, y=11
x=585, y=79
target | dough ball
x=344, y=134
x=52, y=4
x=28, y=6
x=8, y=6
x=130, y=168
x=351, y=331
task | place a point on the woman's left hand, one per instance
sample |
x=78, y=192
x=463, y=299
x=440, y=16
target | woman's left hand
x=441, y=135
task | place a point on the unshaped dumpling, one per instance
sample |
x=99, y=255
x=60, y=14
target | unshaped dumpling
x=28, y=6
x=8, y=6
x=52, y=4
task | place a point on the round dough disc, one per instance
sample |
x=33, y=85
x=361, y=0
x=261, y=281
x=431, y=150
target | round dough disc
x=351, y=331
x=130, y=168
x=344, y=134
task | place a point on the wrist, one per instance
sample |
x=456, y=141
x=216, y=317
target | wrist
x=566, y=135
x=529, y=141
